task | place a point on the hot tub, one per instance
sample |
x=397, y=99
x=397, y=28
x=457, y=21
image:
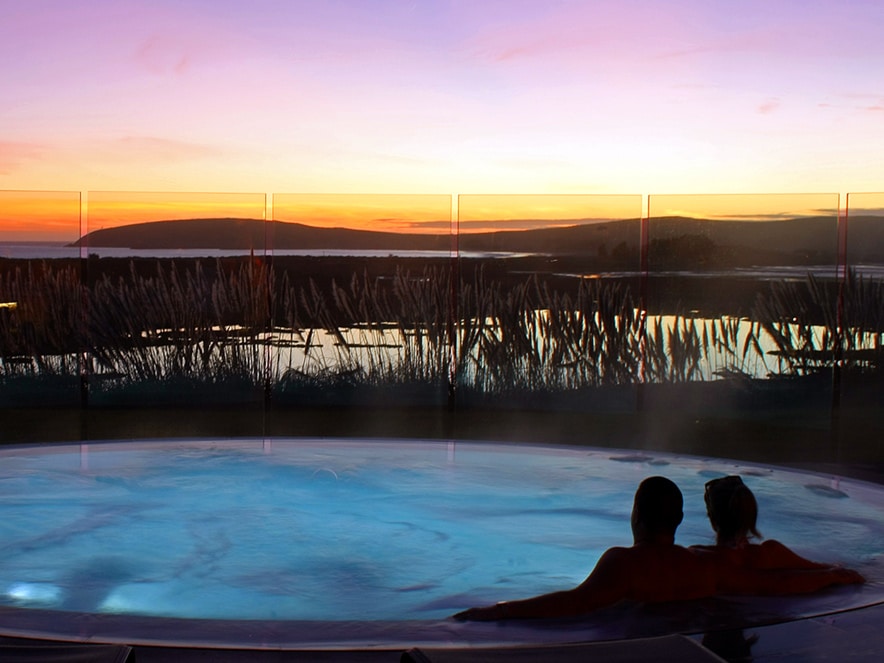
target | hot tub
x=351, y=543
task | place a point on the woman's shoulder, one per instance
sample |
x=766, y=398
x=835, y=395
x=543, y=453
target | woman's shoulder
x=772, y=554
x=766, y=555
x=772, y=548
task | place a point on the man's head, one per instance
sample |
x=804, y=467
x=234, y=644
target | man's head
x=657, y=510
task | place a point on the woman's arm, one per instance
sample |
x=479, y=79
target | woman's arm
x=784, y=582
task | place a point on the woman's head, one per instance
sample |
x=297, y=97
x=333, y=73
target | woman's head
x=732, y=509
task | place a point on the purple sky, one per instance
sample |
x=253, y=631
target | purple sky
x=432, y=96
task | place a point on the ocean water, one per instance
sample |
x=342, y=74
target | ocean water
x=48, y=250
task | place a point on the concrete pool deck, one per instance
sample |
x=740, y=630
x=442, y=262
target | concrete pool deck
x=850, y=637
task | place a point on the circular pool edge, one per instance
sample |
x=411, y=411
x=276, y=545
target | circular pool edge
x=619, y=622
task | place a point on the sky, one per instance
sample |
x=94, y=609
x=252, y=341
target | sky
x=442, y=96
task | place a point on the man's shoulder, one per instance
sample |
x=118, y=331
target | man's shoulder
x=619, y=560
x=616, y=553
x=670, y=553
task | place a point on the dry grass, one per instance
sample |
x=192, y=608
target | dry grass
x=251, y=325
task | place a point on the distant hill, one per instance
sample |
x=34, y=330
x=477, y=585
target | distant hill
x=789, y=241
x=249, y=234
x=865, y=239
x=255, y=234
x=799, y=240
x=702, y=242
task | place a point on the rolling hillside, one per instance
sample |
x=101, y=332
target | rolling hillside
x=798, y=240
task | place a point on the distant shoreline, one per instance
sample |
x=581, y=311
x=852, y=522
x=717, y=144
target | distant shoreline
x=50, y=250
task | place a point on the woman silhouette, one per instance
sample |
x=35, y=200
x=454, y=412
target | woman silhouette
x=733, y=512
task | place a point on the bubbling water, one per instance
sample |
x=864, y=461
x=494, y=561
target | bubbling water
x=319, y=530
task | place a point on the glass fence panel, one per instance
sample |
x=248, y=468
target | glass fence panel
x=177, y=308
x=862, y=316
x=865, y=234
x=731, y=305
x=549, y=301
x=362, y=301
x=41, y=315
x=742, y=299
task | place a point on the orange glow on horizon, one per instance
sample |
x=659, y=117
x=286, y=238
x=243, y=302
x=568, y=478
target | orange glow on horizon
x=50, y=216
x=865, y=203
x=404, y=213
x=744, y=207
x=56, y=216
x=481, y=212
x=109, y=209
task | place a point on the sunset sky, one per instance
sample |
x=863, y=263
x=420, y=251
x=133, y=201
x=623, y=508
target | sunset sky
x=442, y=96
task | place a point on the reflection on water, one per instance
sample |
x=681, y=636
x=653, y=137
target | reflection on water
x=714, y=349
x=46, y=250
x=272, y=328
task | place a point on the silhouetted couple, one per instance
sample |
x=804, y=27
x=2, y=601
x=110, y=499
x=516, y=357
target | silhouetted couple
x=654, y=569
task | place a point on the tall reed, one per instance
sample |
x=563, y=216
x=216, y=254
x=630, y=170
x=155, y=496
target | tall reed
x=245, y=322
x=42, y=332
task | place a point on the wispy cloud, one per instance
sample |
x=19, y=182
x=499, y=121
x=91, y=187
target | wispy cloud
x=796, y=215
x=864, y=211
x=769, y=106
x=13, y=154
x=566, y=34
x=152, y=148
x=160, y=54
x=856, y=101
